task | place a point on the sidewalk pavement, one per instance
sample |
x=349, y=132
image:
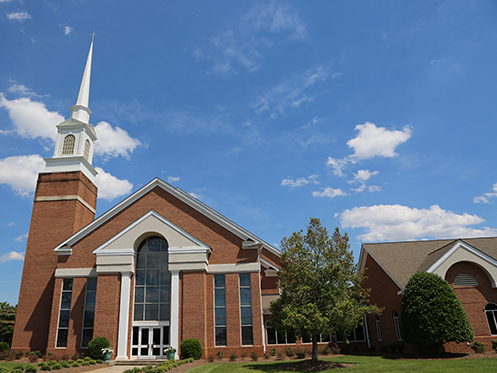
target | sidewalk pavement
x=114, y=369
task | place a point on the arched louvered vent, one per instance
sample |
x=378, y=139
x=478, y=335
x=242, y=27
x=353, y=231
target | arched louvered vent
x=464, y=279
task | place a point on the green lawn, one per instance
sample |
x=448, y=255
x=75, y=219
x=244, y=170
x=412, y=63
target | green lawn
x=363, y=364
x=9, y=364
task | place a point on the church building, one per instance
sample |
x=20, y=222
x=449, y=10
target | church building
x=157, y=268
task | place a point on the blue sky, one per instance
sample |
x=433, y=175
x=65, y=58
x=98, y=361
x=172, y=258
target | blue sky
x=376, y=117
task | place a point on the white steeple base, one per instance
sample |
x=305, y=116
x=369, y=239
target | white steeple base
x=71, y=164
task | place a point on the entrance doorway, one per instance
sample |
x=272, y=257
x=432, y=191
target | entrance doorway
x=149, y=342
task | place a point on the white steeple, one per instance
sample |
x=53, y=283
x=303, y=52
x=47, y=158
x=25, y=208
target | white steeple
x=76, y=136
x=81, y=111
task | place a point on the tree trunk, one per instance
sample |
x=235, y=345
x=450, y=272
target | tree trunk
x=315, y=348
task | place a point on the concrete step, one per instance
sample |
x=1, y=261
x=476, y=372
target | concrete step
x=139, y=362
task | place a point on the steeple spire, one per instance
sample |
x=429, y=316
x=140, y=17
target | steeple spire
x=81, y=111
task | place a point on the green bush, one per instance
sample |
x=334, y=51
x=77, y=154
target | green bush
x=191, y=347
x=17, y=371
x=85, y=363
x=57, y=366
x=478, y=347
x=79, y=361
x=4, y=370
x=18, y=366
x=494, y=344
x=52, y=363
x=4, y=346
x=272, y=352
x=431, y=313
x=30, y=368
x=95, y=347
x=254, y=355
x=75, y=365
x=45, y=367
x=92, y=362
x=65, y=364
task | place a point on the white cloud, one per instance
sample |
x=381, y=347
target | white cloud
x=300, y=182
x=363, y=175
x=31, y=119
x=21, y=89
x=21, y=238
x=4, y=1
x=110, y=187
x=241, y=44
x=172, y=179
x=68, y=30
x=338, y=165
x=290, y=93
x=11, y=256
x=329, y=192
x=399, y=223
x=21, y=172
x=375, y=141
x=487, y=197
x=370, y=188
x=114, y=142
x=19, y=16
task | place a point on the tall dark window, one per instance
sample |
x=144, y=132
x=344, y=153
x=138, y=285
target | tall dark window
x=491, y=313
x=396, y=323
x=153, y=281
x=65, y=312
x=378, y=328
x=246, y=309
x=89, y=312
x=220, y=309
x=275, y=337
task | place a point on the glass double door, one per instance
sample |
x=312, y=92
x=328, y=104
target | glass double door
x=149, y=342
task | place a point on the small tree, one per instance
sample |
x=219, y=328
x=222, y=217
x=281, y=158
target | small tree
x=431, y=312
x=7, y=321
x=321, y=288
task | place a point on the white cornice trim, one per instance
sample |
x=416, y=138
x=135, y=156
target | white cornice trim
x=267, y=264
x=182, y=196
x=156, y=215
x=65, y=198
x=233, y=268
x=461, y=244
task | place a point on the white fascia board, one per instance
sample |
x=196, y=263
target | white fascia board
x=189, y=250
x=362, y=258
x=181, y=195
x=153, y=213
x=267, y=264
x=384, y=270
x=461, y=244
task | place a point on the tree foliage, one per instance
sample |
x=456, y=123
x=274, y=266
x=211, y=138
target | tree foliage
x=321, y=287
x=7, y=321
x=431, y=312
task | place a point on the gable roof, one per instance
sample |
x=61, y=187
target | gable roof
x=181, y=195
x=403, y=259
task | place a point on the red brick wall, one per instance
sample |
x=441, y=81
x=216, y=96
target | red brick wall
x=193, y=310
x=107, y=308
x=473, y=299
x=51, y=223
x=383, y=294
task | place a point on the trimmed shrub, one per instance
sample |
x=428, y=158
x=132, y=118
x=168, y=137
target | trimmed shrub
x=272, y=352
x=52, y=363
x=65, y=364
x=92, y=362
x=95, y=347
x=57, y=366
x=85, y=363
x=17, y=371
x=233, y=357
x=191, y=347
x=288, y=351
x=45, y=367
x=18, y=366
x=4, y=346
x=75, y=365
x=4, y=370
x=478, y=347
x=99, y=361
x=254, y=355
x=30, y=368
x=431, y=312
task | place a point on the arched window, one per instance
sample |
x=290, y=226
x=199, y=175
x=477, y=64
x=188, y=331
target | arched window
x=396, y=323
x=152, y=281
x=68, y=147
x=378, y=328
x=87, y=149
x=491, y=313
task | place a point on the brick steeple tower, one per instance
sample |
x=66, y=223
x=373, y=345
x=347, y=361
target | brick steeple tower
x=64, y=202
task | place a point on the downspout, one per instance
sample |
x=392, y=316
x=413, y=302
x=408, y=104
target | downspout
x=260, y=302
x=367, y=331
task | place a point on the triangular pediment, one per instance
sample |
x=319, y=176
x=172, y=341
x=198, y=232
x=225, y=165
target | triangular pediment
x=182, y=196
x=151, y=223
x=463, y=252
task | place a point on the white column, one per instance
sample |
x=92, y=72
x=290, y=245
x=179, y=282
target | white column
x=174, y=323
x=122, y=336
